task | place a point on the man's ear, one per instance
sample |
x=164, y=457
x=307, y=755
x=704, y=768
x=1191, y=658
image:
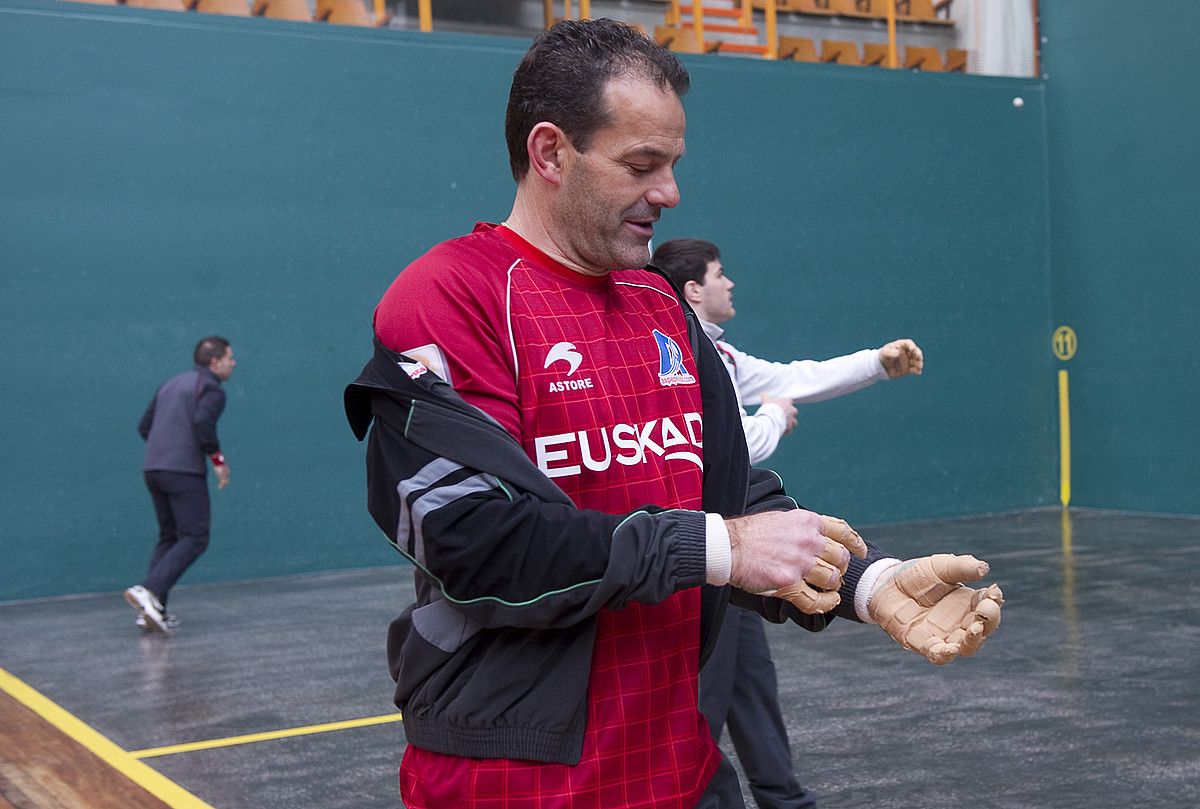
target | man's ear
x=547, y=145
x=691, y=292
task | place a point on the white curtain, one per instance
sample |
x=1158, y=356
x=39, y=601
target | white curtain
x=999, y=36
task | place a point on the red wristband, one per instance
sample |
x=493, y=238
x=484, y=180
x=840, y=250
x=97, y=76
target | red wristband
x=217, y=459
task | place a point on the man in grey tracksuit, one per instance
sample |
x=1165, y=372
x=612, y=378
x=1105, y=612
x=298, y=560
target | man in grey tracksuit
x=180, y=430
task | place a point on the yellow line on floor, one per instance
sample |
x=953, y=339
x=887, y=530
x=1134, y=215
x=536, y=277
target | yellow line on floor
x=265, y=736
x=123, y=762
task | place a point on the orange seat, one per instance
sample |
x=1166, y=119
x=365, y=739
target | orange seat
x=804, y=6
x=875, y=53
x=919, y=57
x=282, y=10
x=162, y=5
x=861, y=8
x=344, y=12
x=230, y=8
x=956, y=60
x=916, y=9
x=924, y=11
x=682, y=40
x=798, y=49
x=840, y=51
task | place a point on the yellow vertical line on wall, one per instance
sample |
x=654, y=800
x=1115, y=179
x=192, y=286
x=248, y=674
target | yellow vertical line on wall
x=585, y=9
x=891, y=26
x=1064, y=438
x=425, y=15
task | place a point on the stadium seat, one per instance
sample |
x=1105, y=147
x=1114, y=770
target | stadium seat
x=840, y=51
x=915, y=9
x=798, y=49
x=861, y=8
x=919, y=57
x=924, y=10
x=956, y=60
x=682, y=40
x=162, y=5
x=344, y=12
x=283, y=10
x=875, y=53
x=231, y=8
x=804, y=6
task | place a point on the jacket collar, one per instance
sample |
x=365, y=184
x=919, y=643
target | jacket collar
x=713, y=331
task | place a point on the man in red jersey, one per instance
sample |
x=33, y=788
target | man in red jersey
x=557, y=449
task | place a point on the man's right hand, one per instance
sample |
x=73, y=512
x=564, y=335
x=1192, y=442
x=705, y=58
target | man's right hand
x=222, y=473
x=789, y=410
x=789, y=553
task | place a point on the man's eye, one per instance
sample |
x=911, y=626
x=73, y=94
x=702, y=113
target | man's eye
x=640, y=169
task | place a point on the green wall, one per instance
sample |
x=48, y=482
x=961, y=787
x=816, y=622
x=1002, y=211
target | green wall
x=164, y=176
x=1123, y=111
x=854, y=207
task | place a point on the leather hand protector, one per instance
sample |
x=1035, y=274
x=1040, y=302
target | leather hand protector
x=817, y=592
x=925, y=607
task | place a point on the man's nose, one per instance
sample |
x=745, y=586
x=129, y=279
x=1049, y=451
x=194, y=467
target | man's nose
x=665, y=192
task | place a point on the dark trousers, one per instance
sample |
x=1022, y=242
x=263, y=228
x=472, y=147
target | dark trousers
x=738, y=688
x=181, y=504
x=724, y=791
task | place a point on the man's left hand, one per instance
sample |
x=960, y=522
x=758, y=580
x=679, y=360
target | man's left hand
x=901, y=357
x=925, y=606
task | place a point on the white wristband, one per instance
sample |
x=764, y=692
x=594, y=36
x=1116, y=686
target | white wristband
x=866, y=586
x=718, y=556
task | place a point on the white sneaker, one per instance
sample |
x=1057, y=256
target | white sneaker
x=141, y=623
x=149, y=607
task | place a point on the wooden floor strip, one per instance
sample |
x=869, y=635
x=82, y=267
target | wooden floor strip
x=49, y=759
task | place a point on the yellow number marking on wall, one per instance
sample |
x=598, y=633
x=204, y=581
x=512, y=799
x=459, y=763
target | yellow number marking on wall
x=1064, y=343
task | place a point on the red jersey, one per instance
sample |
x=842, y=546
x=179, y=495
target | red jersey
x=595, y=377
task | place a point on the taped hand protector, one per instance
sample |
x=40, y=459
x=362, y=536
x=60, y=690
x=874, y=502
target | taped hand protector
x=925, y=607
x=826, y=573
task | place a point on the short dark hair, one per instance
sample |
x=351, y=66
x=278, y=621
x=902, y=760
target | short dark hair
x=684, y=260
x=208, y=349
x=562, y=78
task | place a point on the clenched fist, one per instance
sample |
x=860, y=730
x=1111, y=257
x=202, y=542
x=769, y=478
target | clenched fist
x=901, y=357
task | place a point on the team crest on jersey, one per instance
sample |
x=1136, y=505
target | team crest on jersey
x=670, y=362
x=566, y=352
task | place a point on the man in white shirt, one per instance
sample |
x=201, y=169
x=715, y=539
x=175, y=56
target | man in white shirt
x=738, y=686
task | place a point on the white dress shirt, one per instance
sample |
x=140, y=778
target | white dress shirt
x=800, y=380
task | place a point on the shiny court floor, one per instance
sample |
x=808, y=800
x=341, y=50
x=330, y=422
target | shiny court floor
x=1088, y=694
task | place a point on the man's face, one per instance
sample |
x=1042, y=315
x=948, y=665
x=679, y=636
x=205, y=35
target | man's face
x=612, y=194
x=223, y=365
x=713, y=300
